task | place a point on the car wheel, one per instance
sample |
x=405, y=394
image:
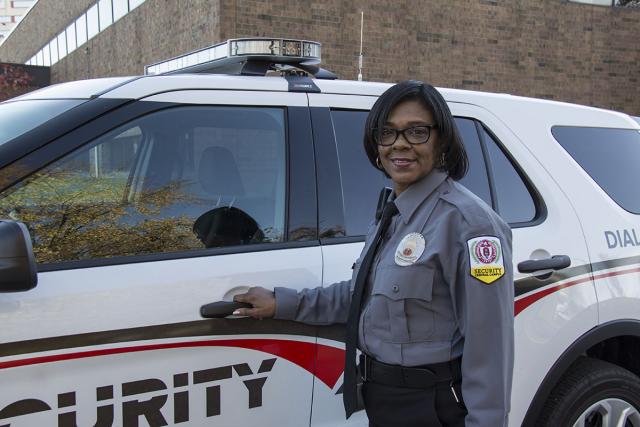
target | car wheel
x=594, y=393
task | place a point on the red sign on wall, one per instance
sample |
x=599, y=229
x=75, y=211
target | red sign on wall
x=16, y=79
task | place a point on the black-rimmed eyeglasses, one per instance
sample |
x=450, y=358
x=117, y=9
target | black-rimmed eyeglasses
x=413, y=135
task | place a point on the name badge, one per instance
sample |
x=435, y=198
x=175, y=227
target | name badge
x=409, y=249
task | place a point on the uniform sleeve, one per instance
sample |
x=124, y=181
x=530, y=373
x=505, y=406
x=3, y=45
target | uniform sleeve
x=318, y=306
x=485, y=319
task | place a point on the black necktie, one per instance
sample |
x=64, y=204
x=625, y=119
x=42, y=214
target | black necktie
x=350, y=396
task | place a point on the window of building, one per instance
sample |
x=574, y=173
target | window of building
x=93, y=25
x=595, y=2
x=2, y=4
x=81, y=30
x=62, y=45
x=135, y=3
x=53, y=48
x=40, y=57
x=21, y=3
x=120, y=9
x=4, y=19
x=609, y=156
x=514, y=201
x=71, y=37
x=105, y=14
x=617, y=3
x=183, y=179
x=46, y=58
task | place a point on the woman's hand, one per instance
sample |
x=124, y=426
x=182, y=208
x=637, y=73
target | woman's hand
x=262, y=300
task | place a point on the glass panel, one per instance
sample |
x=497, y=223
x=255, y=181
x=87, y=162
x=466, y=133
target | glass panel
x=71, y=37
x=19, y=117
x=135, y=3
x=476, y=178
x=120, y=8
x=610, y=157
x=53, y=47
x=5, y=19
x=62, y=45
x=178, y=180
x=105, y=13
x=596, y=2
x=22, y=3
x=514, y=201
x=92, y=22
x=361, y=182
x=46, y=58
x=81, y=29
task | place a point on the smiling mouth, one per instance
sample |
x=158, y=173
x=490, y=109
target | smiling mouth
x=402, y=162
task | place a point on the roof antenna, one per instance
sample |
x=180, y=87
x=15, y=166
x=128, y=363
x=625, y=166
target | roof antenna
x=360, y=57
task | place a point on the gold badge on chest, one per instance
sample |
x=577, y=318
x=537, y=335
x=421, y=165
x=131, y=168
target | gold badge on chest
x=409, y=250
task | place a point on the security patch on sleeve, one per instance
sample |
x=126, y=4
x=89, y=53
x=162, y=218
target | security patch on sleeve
x=485, y=258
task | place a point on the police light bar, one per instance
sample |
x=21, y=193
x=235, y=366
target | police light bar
x=277, y=51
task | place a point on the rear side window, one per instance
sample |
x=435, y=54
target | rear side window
x=361, y=182
x=476, y=178
x=609, y=156
x=514, y=201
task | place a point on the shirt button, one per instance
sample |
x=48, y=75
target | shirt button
x=395, y=288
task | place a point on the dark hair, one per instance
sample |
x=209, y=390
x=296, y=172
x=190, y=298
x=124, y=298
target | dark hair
x=449, y=142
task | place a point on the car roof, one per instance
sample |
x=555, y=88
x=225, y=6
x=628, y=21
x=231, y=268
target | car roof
x=500, y=103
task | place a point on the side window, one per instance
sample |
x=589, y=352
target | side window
x=361, y=182
x=609, y=156
x=476, y=178
x=177, y=180
x=514, y=201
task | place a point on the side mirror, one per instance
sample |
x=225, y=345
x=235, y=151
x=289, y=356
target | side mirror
x=17, y=263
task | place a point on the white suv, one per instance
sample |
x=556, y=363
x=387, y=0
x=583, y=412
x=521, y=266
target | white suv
x=144, y=198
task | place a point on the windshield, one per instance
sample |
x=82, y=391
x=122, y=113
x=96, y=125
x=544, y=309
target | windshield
x=19, y=117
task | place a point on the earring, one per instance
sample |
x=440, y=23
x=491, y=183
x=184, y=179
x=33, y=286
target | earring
x=378, y=163
x=443, y=160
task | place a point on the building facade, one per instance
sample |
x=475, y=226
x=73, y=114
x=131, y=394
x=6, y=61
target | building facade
x=11, y=12
x=554, y=49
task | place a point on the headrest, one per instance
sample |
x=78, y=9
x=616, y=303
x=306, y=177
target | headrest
x=227, y=226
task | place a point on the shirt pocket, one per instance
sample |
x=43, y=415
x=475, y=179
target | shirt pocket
x=405, y=294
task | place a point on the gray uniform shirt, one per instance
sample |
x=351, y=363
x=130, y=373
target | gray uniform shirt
x=433, y=305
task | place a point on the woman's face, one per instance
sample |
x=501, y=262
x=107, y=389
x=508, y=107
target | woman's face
x=406, y=163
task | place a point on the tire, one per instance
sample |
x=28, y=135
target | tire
x=593, y=393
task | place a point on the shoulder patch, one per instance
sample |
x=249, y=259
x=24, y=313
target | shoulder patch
x=486, y=262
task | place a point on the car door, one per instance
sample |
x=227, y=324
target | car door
x=189, y=197
x=501, y=172
x=552, y=308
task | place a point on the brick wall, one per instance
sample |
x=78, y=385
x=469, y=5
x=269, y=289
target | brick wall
x=546, y=48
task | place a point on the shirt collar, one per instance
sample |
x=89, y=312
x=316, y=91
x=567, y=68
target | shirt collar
x=409, y=200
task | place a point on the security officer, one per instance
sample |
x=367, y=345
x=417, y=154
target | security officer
x=430, y=302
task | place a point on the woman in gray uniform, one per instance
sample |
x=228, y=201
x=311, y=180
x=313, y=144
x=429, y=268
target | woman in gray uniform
x=430, y=302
